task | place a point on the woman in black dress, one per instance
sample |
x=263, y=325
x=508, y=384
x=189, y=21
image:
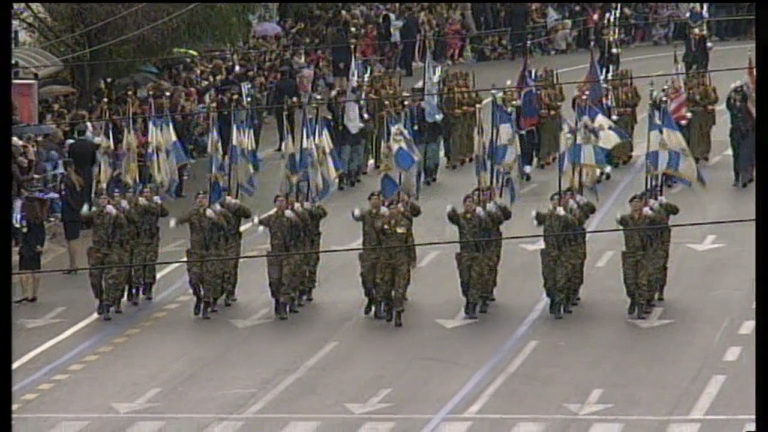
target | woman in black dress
x=72, y=201
x=35, y=210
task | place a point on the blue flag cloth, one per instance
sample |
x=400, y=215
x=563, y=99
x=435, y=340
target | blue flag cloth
x=593, y=83
x=529, y=99
x=389, y=186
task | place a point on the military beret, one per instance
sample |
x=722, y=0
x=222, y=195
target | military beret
x=554, y=196
x=636, y=197
x=201, y=194
x=278, y=196
x=468, y=197
x=374, y=194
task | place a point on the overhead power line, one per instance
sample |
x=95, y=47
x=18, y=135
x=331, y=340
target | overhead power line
x=424, y=244
x=97, y=25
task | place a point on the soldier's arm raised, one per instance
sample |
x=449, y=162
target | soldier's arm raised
x=185, y=218
x=453, y=215
x=414, y=209
x=358, y=215
x=162, y=210
x=319, y=211
x=668, y=207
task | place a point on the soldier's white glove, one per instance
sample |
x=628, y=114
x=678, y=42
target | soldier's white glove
x=85, y=210
x=124, y=204
x=356, y=213
x=492, y=206
x=142, y=201
x=217, y=207
x=647, y=211
x=479, y=211
x=289, y=214
x=297, y=206
x=229, y=200
x=653, y=204
x=384, y=211
x=572, y=204
x=172, y=223
x=533, y=216
x=560, y=211
x=255, y=220
x=157, y=200
x=580, y=199
x=450, y=208
x=662, y=200
x=618, y=217
x=110, y=210
x=307, y=206
x=209, y=213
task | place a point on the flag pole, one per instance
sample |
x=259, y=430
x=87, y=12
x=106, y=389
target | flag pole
x=648, y=134
x=213, y=165
x=232, y=133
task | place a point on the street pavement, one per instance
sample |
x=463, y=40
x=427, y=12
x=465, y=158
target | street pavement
x=690, y=367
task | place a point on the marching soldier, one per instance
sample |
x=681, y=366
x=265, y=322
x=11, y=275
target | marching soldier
x=453, y=117
x=635, y=257
x=696, y=55
x=235, y=213
x=125, y=234
x=311, y=215
x=135, y=278
x=145, y=215
x=701, y=103
x=371, y=254
x=394, y=272
x=411, y=210
x=498, y=213
x=101, y=221
x=469, y=100
x=581, y=209
x=472, y=223
x=742, y=136
x=625, y=100
x=664, y=210
x=550, y=98
x=555, y=265
x=282, y=223
x=218, y=269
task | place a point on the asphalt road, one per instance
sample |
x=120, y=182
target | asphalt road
x=689, y=368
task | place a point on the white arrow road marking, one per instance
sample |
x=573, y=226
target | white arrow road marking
x=606, y=427
x=732, y=354
x=298, y=426
x=684, y=427
x=749, y=427
x=528, y=188
x=529, y=427
x=533, y=246
x=747, y=327
x=146, y=426
x=252, y=321
x=706, y=245
x=47, y=319
x=70, y=426
x=430, y=256
x=371, y=404
x=457, y=321
x=355, y=244
x=138, y=404
x=239, y=391
x=377, y=427
x=177, y=245
x=590, y=405
x=291, y=378
x=708, y=396
x=486, y=395
x=728, y=152
x=454, y=426
x=225, y=426
x=714, y=160
x=604, y=259
x=652, y=320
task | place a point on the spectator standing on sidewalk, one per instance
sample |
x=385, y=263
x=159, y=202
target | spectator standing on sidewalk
x=73, y=199
x=35, y=210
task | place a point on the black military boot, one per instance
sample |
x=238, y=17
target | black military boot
x=198, y=305
x=492, y=298
x=129, y=295
x=105, y=315
x=309, y=296
x=558, y=310
x=399, y=319
x=660, y=294
x=368, y=307
x=118, y=307
x=100, y=308
x=466, y=308
x=631, y=308
x=390, y=313
x=300, y=301
x=472, y=310
x=148, y=291
x=227, y=302
x=379, y=312
x=640, y=311
x=283, y=311
x=341, y=182
x=552, y=306
x=214, y=305
x=277, y=307
x=134, y=295
x=293, y=308
x=206, y=310
x=566, y=304
x=483, y=306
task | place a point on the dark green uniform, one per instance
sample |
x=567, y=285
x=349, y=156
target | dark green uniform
x=147, y=246
x=635, y=260
x=198, y=233
x=584, y=209
x=215, y=271
x=556, y=257
x=281, y=239
x=237, y=212
x=665, y=210
x=101, y=222
x=472, y=225
x=394, y=271
x=497, y=214
x=411, y=211
x=370, y=255
x=115, y=255
x=701, y=103
x=316, y=213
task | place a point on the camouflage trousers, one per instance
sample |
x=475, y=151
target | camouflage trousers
x=232, y=268
x=634, y=266
x=195, y=272
x=96, y=276
x=393, y=277
x=314, y=262
x=145, y=253
x=284, y=277
x=554, y=270
x=474, y=271
x=657, y=272
x=368, y=273
x=115, y=278
x=214, y=276
x=495, y=254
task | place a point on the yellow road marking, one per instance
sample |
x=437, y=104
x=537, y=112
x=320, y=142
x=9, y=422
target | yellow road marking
x=60, y=377
x=76, y=367
x=120, y=340
x=45, y=386
x=90, y=358
x=105, y=349
x=30, y=396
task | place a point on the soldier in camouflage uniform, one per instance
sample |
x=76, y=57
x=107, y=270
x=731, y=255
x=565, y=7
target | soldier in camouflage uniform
x=625, y=99
x=665, y=210
x=282, y=224
x=218, y=270
x=370, y=255
x=555, y=265
x=581, y=209
x=316, y=213
x=147, y=212
x=635, y=257
x=472, y=224
x=394, y=271
x=126, y=239
x=498, y=213
x=112, y=250
x=135, y=278
x=100, y=221
x=198, y=218
x=411, y=210
x=301, y=243
x=237, y=212
x=701, y=102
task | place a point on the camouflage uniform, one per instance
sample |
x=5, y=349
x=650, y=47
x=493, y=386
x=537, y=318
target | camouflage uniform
x=583, y=210
x=147, y=245
x=281, y=239
x=316, y=213
x=412, y=210
x=635, y=261
x=115, y=255
x=394, y=273
x=666, y=210
x=217, y=270
x=237, y=212
x=469, y=259
x=498, y=214
x=302, y=243
x=101, y=222
x=555, y=258
x=370, y=255
x=198, y=232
